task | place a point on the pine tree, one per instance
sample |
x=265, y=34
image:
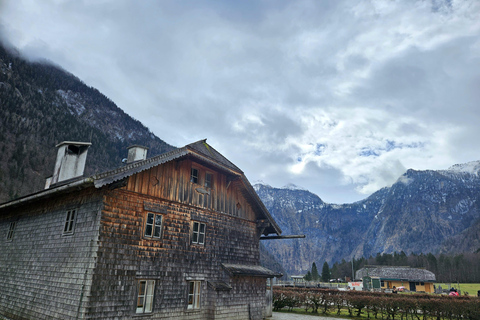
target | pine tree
x=315, y=274
x=325, y=272
x=308, y=276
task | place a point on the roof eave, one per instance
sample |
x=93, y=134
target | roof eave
x=74, y=185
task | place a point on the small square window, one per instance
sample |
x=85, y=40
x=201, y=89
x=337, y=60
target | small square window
x=11, y=231
x=208, y=180
x=153, y=225
x=194, y=175
x=70, y=222
x=146, y=289
x=198, y=234
x=194, y=294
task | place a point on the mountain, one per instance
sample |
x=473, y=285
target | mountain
x=42, y=105
x=423, y=212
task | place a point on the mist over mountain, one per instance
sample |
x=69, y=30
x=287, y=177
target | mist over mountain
x=42, y=105
x=423, y=212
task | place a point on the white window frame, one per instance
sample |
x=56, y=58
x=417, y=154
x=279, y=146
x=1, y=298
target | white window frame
x=70, y=219
x=198, y=236
x=154, y=226
x=193, y=299
x=146, y=293
x=11, y=231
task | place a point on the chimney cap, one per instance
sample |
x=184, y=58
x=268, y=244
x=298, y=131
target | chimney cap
x=137, y=146
x=74, y=142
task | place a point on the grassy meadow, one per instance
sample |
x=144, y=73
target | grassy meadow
x=471, y=288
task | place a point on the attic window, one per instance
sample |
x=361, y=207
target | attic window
x=208, y=180
x=194, y=175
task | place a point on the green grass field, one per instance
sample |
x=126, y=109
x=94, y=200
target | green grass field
x=471, y=288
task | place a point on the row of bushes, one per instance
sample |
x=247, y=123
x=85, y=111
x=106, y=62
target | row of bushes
x=377, y=304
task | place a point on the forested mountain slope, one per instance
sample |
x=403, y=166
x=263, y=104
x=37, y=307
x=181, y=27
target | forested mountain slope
x=42, y=105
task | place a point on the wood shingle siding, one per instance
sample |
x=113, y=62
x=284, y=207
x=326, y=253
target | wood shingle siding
x=107, y=267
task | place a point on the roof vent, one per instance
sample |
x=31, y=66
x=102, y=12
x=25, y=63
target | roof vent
x=136, y=153
x=70, y=163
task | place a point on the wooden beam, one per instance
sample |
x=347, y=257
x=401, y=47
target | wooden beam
x=283, y=237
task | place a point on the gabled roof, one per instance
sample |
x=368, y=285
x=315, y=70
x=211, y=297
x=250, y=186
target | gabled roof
x=396, y=273
x=200, y=151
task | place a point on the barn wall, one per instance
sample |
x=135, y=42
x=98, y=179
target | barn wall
x=45, y=274
x=127, y=256
x=172, y=181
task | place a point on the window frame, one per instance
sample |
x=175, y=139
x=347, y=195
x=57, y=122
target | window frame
x=153, y=226
x=11, y=230
x=196, y=235
x=208, y=183
x=70, y=222
x=194, y=290
x=145, y=300
x=194, y=177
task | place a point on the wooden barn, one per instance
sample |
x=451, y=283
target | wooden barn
x=175, y=236
x=412, y=279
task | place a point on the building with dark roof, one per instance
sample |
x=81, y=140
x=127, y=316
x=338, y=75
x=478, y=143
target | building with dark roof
x=175, y=236
x=412, y=279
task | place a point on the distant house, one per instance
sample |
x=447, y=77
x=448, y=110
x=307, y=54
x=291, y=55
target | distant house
x=175, y=236
x=412, y=279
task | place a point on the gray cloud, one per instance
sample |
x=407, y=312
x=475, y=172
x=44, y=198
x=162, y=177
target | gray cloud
x=336, y=96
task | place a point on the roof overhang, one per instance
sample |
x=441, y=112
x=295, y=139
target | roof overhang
x=250, y=271
x=74, y=184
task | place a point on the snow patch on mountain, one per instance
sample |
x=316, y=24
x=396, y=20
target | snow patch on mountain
x=472, y=167
x=291, y=186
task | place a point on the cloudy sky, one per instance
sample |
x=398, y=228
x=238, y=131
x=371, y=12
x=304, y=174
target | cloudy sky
x=338, y=97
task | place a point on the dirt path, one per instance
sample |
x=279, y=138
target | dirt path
x=292, y=316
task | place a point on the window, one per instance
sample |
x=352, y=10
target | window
x=198, y=235
x=194, y=175
x=146, y=288
x=11, y=231
x=153, y=225
x=194, y=294
x=208, y=180
x=70, y=222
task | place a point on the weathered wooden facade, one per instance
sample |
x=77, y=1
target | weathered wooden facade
x=412, y=279
x=175, y=236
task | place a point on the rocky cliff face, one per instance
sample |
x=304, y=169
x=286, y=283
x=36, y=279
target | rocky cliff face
x=424, y=211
